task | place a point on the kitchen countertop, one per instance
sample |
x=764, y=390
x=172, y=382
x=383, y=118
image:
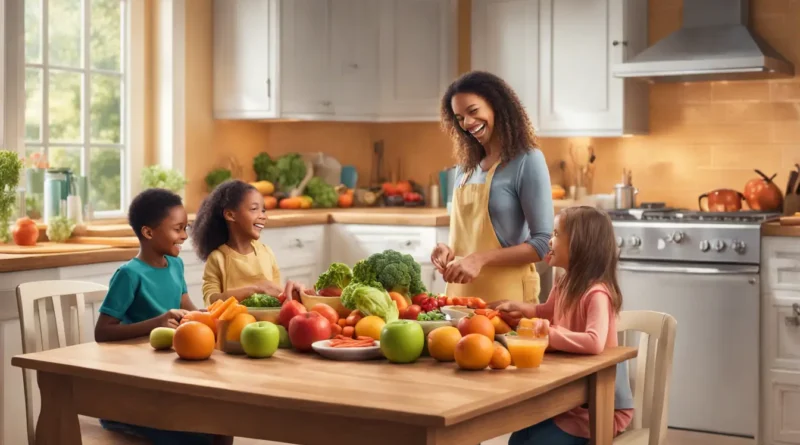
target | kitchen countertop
x=16, y=263
x=774, y=228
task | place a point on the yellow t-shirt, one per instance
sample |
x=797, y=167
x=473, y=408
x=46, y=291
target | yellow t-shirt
x=228, y=269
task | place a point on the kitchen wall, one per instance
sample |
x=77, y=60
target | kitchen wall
x=703, y=135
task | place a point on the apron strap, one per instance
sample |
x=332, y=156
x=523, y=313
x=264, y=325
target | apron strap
x=489, y=175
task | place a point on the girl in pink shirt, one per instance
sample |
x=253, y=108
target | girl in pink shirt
x=582, y=310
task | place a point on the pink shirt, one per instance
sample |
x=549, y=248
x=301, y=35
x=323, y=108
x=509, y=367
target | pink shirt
x=588, y=329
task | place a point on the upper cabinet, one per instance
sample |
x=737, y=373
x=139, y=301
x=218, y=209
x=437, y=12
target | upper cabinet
x=565, y=50
x=339, y=60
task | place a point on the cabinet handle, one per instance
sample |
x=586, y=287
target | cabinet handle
x=326, y=103
x=794, y=320
x=269, y=88
x=354, y=66
x=617, y=43
x=298, y=243
x=408, y=243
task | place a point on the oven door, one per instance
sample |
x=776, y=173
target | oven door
x=714, y=384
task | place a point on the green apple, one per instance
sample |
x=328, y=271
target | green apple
x=402, y=341
x=161, y=338
x=284, y=342
x=260, y=339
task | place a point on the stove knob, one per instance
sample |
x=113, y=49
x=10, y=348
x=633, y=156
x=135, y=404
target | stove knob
x=719, y=245
x=705, y=245
x=739, y=246
x=620, y=241
x=677, y=237
x=634, y=241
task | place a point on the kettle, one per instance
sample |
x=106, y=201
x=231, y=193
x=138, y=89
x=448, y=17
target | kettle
x=722, y=200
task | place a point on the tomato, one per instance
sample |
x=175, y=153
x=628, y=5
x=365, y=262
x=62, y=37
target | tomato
x=25, y=232
x=441, y=301
x=282, y=298
x=412, y=312
x=460, y=301
x=417, y=299
x=449, y=301
x=429, y=304
x=480, y=303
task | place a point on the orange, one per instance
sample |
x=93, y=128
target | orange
x=237, y=324
x=501, y=358
x=474, y=352
x=193, y=341
x=442, y=343
x=477, y=324
x=202, y=317
x=370, y=326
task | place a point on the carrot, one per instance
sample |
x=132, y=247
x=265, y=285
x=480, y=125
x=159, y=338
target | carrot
x=232, y=311
x=214, y=305
x=222, y=307
x=349, y=331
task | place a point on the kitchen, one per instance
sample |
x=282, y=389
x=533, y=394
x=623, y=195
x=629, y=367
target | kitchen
x=679, y=140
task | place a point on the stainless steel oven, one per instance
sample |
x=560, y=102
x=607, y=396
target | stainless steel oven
x=703, y=269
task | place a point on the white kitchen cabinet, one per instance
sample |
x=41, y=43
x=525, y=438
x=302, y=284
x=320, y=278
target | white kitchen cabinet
x=505, y=42
x=338, y=60
x=301, y=251
x=418, y=57
x=245, y=59
x=557, y=56
x=780, y=340
x=580, y=41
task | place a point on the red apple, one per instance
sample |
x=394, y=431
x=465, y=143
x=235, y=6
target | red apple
x=330, y=292
x=289, y=310
x=327, y=312
x=305, y=329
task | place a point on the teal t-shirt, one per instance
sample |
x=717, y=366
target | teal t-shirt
x=139, y=291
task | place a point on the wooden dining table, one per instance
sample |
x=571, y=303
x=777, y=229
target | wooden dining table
x=305, y=399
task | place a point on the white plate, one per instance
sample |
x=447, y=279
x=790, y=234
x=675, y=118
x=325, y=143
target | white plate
x=324, y=349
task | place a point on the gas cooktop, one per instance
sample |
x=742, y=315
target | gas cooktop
x=687, y=216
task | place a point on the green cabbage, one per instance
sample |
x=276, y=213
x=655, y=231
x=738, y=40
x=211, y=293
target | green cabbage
x=370, y=300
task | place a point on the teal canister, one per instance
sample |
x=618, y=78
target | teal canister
x=52, y=198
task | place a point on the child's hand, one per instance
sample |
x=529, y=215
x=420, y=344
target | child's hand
x=268, y=287
x=293, y=290
x=171, y=318
x=510, y=312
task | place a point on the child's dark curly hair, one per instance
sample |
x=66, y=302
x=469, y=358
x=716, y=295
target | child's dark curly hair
x=210, y=230
x=511, y=122
x=150, y=207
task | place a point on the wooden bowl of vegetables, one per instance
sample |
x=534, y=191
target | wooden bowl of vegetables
x=263, y=307
x=309, y=301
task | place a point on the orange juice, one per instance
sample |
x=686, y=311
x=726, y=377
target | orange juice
x=526, y=352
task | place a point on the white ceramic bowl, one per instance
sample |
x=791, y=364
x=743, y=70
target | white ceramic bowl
x=324, y=349
x=456, y=312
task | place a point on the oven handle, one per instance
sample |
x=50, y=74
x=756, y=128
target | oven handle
x=720, y=269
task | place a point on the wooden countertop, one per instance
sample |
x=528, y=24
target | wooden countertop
x=16, y=263
x=774, y=228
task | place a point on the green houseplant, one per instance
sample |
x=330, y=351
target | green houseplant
x=10, y=169
x=155, y=176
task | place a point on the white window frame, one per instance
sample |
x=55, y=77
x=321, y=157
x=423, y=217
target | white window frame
x=133, y=67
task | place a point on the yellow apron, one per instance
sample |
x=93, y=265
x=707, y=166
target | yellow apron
x=471, y=231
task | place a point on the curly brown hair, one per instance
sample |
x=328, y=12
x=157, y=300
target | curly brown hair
x=511, y=122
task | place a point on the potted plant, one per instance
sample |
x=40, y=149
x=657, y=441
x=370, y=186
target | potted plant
x=10, y=170
x=156, y=176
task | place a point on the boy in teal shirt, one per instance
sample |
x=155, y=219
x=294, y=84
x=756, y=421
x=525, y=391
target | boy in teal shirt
x=149, y=291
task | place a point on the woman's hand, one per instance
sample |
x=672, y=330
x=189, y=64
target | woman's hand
x=441, y=256
x=464, y=270
x=293, y=290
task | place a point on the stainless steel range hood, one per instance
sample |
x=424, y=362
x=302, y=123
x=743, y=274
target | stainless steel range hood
x=714, y=43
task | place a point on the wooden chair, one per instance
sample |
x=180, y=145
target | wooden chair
x=651, y=376
x=32, y=299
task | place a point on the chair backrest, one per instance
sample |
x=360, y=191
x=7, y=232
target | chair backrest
x=32, y=301
x=653, y=372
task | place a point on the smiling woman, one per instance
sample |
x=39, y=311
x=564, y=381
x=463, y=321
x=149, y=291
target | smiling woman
x=502, y=204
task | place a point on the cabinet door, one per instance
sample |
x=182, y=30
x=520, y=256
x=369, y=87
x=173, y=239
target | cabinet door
x=354, y=58
x=418, y=57
x=306, y=275
x=783, y=410
x=305, y=58
x=579, y=96
x=505, y=42
x=245, y=37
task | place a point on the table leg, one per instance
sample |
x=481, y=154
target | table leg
x=601, y=406
x=58, y=420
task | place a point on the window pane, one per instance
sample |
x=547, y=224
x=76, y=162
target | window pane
x=106, y=30
x=104, y=178
x=106, y=108
x=33, y=31
x=65, y=106
x=65, y=157
x=64, y=25
x=33, y=105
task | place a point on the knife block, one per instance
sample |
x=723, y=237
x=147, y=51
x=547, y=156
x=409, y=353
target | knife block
x=791, y=204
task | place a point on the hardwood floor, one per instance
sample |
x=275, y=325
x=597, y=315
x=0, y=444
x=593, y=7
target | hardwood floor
x=674, y=437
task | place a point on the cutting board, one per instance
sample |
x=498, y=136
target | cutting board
x=47, y=247
x=790, y=220
x=113, y=241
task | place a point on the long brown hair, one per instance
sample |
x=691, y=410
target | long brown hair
x=592, y=256
x=511, y=122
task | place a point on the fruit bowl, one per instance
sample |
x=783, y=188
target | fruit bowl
x=223, y=343
x=265, y=313
x=456, y=312
x=526, y=352
x=335, y=302
x=324, y=349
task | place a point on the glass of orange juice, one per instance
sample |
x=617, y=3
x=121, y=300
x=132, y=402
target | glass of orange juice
x=527, y=352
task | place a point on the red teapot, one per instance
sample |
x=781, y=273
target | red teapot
x=722, y=200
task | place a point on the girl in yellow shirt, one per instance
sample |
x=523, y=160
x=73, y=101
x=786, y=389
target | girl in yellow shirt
x=226, y=235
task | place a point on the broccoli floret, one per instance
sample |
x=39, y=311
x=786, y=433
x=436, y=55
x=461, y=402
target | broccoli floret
x=291, y=170
x=396, y=272
x=261, y=300
x=338, y=275
x=323, y=194
x=265, y=168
